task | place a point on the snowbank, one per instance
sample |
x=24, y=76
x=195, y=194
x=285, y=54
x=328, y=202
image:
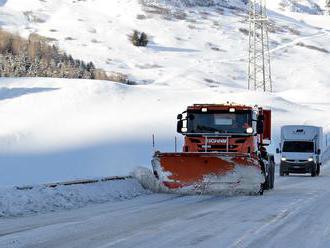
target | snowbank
x=41, y=199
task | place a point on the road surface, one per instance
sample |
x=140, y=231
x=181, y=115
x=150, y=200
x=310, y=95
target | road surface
x=295, y=214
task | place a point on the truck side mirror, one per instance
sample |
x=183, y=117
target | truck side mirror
x=260, y=127
x=261, y=118
x=278, y=150
x=260, y=124
x=318, y=151
x=179, y=126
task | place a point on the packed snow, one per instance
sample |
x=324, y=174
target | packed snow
x=42, y=199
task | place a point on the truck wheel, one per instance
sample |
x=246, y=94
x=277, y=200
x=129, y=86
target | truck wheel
x=273, y=176
x=270, y=176
x=265, y=185
x=270, y=180
x=313, y=172
x=261, y=191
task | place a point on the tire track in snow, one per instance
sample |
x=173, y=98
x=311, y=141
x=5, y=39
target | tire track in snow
x=298, y=224
x=252, y=238
x=279, y=219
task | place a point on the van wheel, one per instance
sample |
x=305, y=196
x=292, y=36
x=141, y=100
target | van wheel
x=281, y=172
x=313, y=172
x=318, y=170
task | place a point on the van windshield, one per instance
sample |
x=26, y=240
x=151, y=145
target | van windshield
x=298, y=146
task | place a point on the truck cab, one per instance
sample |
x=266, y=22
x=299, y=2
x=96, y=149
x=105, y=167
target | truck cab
x=300, y=149
x=225, y=128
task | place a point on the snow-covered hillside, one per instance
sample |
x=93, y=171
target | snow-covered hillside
x=194, y=40
x=55, y=129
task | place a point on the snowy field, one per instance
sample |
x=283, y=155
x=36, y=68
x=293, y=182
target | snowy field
x=55, y=129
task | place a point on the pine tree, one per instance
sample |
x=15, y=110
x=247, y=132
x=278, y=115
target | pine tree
x=143, y=39
x=90, y=66
x=135, y=39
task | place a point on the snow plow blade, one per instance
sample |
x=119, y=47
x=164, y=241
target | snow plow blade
x=224, y=173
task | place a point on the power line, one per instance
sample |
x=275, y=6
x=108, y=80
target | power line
x=259, y=57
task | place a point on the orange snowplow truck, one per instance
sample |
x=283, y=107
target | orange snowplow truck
x=224, y=150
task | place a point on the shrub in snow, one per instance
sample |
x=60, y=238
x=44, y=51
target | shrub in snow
x=135, y=38
x=139, y=39
x=144, y=39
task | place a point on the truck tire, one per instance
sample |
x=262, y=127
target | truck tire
x=261, y=191
x=271, y=171
x=269, y=180
x=265, y=185
x=273, y=176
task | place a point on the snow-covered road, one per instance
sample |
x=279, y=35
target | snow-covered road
x=295, y=214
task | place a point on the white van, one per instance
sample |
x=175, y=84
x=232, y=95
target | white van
x=301, y=148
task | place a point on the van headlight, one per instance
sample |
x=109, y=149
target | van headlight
x=249, y=130
x=283, y=159
x=311, y=159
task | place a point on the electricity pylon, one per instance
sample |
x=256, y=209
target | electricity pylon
x=259, y=58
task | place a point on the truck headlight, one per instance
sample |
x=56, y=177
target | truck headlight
x=311, y=159
x=184, y=129
x=283, y=159
x=249, y=130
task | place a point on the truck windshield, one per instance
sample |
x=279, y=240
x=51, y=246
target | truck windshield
x=219, y=122
x=298, y=146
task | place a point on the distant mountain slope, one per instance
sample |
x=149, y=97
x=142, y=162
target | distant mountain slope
x=303, y=6
x=185, y=37
x=192, y=3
